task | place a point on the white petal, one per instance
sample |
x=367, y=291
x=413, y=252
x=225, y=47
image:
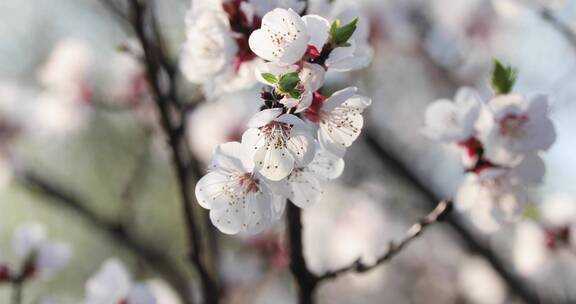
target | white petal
x=338, y=98
x=358, y=102
x=28, y=238
x=306, y=189
x=290, y=119
x=327, y=143
x=259, y=212
x=326, y=165
x=109, y=285
x=531, y=170
x=231, y=157
x=53, y=257
x=261, y=44
x=313, y=74
x=344, y=128
x=216, y=189
x=275, y=162
x=301, y=145
x=141, y=294
x=318, y=28
x=264, y=117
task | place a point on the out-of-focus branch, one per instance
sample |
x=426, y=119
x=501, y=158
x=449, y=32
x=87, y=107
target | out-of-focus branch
x=515, y=283
x=115, y=231
x=562, y=28
x=164, y=95
x=305, y=279
x=436, y=215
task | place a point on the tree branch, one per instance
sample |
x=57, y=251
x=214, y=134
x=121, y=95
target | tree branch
x=442, y=209
x=305, y=279
x=562, y=28
x=156, y=71
x=515, y=283
x=115, y=231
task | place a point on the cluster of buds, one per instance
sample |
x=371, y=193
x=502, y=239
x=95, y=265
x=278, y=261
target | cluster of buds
x=39, y=258
x=501, y=139
x=280, y=155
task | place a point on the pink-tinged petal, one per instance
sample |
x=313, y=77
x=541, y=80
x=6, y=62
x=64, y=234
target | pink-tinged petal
x=261, y=44
x=274, y=161
x=319, y=30
x=338, y=98
x=264, y=117
x=231, y=157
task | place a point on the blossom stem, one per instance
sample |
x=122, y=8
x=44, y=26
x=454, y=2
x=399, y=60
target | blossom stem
x=17, y=291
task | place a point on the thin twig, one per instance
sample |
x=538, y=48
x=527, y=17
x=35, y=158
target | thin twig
x=515, y=283
x=115, y=231
x=562, y=28
x=441, y=210
x=154, y=59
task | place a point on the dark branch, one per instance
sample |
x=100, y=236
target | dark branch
x=305, y=279
x=115, y=231
x=515, y=283
x=441, y=210
x=155, y=60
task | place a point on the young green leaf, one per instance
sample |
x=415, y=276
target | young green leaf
x=270, y=78
x=503, y=78
x=288, y=81
x=341, y=35
x=295, y=93
x=335, y=25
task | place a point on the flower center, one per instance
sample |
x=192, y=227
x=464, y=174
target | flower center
x=276, y=134
x=282, y=37
x=248, y=183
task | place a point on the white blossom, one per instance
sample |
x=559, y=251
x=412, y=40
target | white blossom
x=239, y=199
x=66, y=72
x=359, y=54
x=210, y=46
x=311, y=79
x=42, y=257
x=112, y=284
x=304, y=185
x=279, y=143
x=519, y=126
x=339, y=118
x=453, y=121
x=282, y=38
x=496, y=195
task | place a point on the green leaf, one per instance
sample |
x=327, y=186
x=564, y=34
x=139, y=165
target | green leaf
x=341, y=35
x=335, y=25
x=295, y=93
x=270, y=78
x=288, y=82
x=503, y=78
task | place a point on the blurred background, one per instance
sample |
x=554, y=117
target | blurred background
x=85, y=166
